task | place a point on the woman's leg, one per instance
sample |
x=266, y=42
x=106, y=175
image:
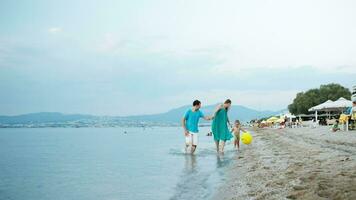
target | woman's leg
x=217, y=145
x=222, y=146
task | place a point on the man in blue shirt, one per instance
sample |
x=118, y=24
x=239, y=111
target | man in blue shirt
x=190, y=125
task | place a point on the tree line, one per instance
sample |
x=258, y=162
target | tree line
x=305, y=100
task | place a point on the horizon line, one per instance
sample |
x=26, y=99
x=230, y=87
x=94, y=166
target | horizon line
x=100, y=115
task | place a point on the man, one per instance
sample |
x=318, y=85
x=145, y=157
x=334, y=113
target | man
x=190, y=125
x=353, y=110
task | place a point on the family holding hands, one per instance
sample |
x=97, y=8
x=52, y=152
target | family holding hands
x=219, y=127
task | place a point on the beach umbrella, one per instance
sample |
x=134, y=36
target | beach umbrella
x=280, y=120
x=288, y=116
x=272, y=119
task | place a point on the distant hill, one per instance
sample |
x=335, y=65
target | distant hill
x=43, y=117
x=173, y=116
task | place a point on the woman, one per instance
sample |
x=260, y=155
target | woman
x=219, y=126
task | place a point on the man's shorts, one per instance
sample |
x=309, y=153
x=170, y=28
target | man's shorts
x=191, y=139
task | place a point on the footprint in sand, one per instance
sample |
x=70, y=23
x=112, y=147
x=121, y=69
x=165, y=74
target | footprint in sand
x=299, y=187
x=345, y=159
x=296, y=195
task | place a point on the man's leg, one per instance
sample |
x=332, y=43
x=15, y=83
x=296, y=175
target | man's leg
x=193, y=148
x=188, y=142
x=186, y=148
x=194, y=142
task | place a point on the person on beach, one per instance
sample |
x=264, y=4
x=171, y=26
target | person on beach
x=219, y=126
x=336, y=126
x=190, y=125
x=236, y=131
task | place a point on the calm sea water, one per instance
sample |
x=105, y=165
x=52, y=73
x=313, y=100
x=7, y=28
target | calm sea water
x=106, y=163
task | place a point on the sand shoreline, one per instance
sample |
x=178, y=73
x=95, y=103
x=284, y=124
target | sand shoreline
x=301, y=163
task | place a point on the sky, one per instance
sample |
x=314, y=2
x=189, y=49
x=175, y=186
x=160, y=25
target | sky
x=141, y=57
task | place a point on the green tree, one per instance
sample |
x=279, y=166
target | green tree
x=305, y=100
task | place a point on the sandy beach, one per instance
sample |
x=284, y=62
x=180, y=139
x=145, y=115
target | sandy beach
x=300, y=163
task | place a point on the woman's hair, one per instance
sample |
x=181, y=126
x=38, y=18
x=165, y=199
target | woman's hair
x=237, y=121
x=227, y=101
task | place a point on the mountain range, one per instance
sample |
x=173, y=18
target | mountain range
x=172, y=116
x=236, y=112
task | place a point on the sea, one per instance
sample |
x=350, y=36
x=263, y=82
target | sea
x=108, y=164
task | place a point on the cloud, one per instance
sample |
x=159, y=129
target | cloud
x=54, y=30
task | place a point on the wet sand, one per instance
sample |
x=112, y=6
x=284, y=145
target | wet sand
x=300, y=163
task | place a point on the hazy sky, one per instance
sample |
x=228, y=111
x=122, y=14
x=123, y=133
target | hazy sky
x=139, y=57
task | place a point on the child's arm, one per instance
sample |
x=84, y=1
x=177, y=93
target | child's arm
x=243, y=130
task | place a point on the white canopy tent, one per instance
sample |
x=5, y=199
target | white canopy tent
x=287, y=115
x=338, y=105
x=320, y=107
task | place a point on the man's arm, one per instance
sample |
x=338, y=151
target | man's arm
x=208, y=117
x=186, y=132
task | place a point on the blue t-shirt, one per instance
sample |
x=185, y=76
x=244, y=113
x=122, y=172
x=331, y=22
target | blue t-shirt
x=192, y=120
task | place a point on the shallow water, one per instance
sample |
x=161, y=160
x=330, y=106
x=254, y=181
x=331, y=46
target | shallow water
x=106, y=163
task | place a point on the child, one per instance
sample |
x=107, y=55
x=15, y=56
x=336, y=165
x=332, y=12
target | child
x=236, y=131
x=336, y=126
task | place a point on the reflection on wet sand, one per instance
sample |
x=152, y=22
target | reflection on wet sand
x=222, y=160
x=201, y=174
x=190, y=163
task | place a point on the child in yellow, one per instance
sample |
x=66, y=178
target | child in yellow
x=236, y=131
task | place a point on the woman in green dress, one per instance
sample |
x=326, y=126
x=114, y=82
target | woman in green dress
x=219, y=126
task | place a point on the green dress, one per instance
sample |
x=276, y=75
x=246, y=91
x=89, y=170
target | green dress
x=219, y=126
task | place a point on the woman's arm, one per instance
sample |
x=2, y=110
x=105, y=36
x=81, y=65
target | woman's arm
x=217, y=109
x=228, y=121
x=208, y=117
